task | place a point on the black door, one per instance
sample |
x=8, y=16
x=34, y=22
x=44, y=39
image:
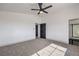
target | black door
x=43, y=30
x=36, y=30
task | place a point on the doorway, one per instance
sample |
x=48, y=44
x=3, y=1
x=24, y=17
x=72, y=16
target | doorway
x=43, y=30
x=36, y=30
x=40, y=30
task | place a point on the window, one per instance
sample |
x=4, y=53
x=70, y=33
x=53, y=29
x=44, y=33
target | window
x=75, y=30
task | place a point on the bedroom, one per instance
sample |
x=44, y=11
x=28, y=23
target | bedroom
x=17, y=27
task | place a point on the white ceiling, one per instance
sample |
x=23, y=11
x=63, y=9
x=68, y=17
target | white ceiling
x=26, y=7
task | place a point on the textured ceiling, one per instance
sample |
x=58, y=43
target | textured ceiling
x=26, y=7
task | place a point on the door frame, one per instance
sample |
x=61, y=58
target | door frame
x=38, y=30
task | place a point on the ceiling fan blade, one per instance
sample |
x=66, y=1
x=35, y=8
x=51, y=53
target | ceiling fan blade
x=47, y=7
x=35, y=9
x=38, y=12
x=45, y=11
x=40, y=5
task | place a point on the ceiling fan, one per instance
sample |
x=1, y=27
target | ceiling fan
x=41, y=10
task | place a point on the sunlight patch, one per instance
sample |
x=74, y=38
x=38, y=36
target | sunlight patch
x=51, y=50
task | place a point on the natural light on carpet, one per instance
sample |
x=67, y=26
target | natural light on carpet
x=51, y=50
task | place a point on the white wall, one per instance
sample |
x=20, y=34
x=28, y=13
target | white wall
x=57, y=23
x=16, y=27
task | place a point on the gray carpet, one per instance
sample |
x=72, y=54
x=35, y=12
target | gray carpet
x=28, y=48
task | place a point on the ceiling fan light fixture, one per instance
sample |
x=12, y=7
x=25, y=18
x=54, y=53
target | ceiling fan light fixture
x=41, y=12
